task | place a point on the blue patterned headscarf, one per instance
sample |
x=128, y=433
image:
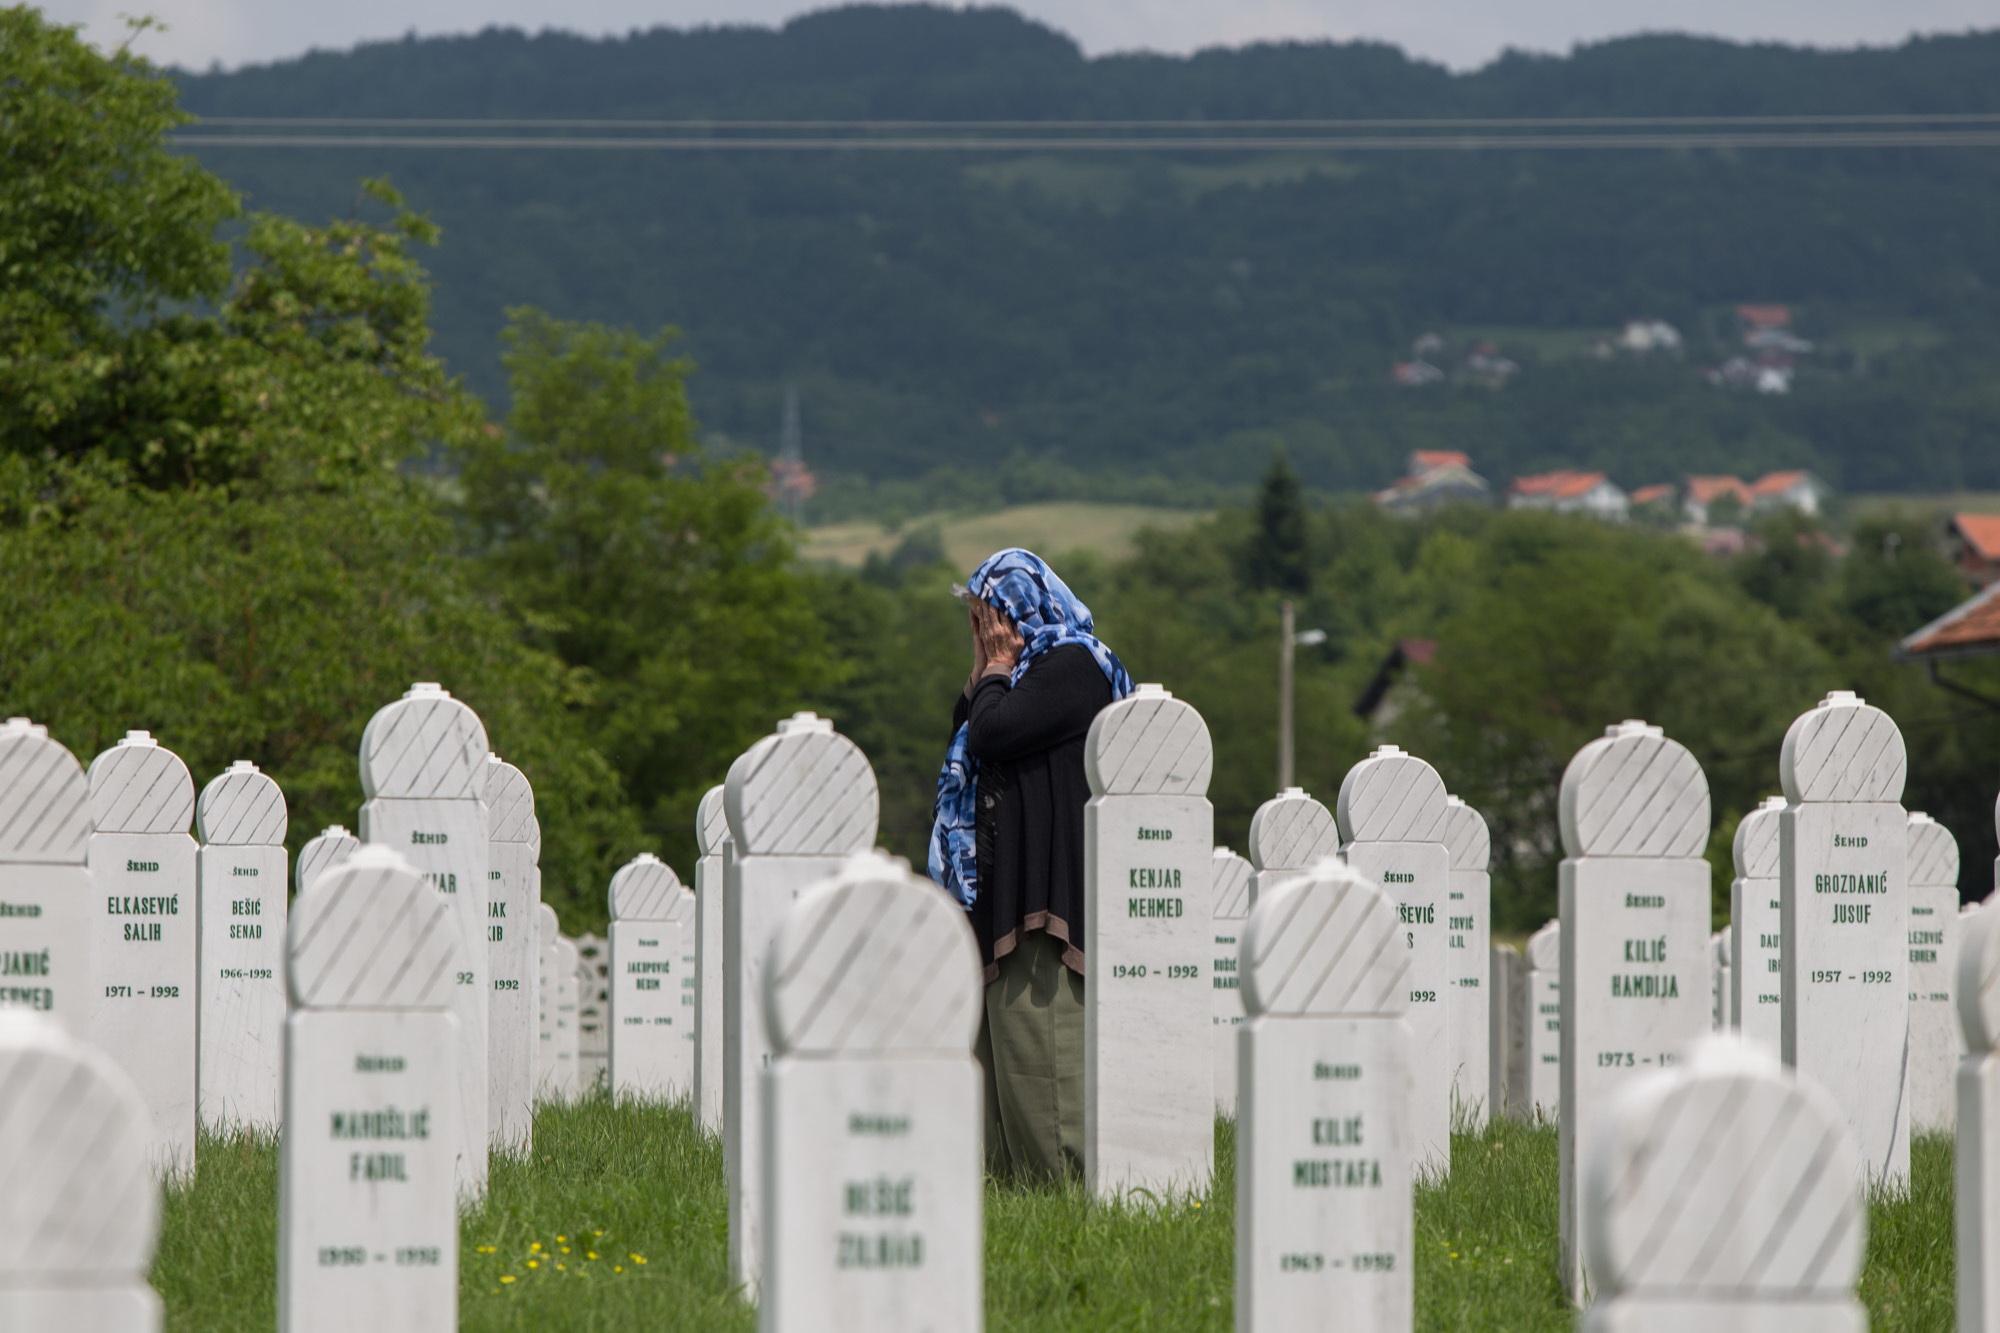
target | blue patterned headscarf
x=1048, y=615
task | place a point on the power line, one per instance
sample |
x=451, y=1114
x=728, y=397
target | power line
x=1925, y=139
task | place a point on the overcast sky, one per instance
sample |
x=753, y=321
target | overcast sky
x=1462, y=33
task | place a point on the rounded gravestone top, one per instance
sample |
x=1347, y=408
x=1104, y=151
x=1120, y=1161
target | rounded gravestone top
x=1545, y=948
x=80, y=1200
x=643, y=889
x=1843, y=749
x=44, y=797
x=1634, y=792
x=426, y=744
x=510, y=803
x=1466, y=836
x=1148, y=743
x=1755, y=846
x=711, y=822
x=1232, y=884
x=1291, y=831
x=241, y=806
x=1325, y=943
x=140, y=786
x=322, y=852
x=1976, y=988
x=1391, y=796
x=1676, y=1216
x=372, y=935
x=1933, y=853
x=547, y=923
x=806, y=790
x=870, y=962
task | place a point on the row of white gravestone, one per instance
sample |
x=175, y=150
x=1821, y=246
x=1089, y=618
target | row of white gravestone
x=1527, y=1027
x=593, y=1013
x=651, y=1010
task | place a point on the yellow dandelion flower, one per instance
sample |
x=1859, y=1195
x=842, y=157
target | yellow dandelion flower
x=534, y=1247
x=562, y=1268
x=564, y=1248
x=617, y=1268
x=1197, y=1203
x=598, y=1232
x=486, y=1249
x=638, y=1258
x=534, y=1263
x=590, y=1254
x=506, y=1277
x=561, y=1239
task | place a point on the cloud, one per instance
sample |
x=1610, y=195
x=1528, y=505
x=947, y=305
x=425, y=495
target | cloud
x=1461, y=33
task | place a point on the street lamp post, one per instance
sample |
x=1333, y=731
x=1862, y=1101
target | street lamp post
x=1290, y=639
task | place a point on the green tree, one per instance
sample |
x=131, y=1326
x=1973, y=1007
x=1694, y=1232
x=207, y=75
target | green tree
x=657, y=572
x=1276, y=556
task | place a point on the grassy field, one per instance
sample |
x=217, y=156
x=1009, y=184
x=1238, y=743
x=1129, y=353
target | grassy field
x=1937, y=506
x=1052, y=529
x=619, y=1222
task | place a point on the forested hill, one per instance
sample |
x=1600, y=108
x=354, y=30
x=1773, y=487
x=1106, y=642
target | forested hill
x=1151, y=324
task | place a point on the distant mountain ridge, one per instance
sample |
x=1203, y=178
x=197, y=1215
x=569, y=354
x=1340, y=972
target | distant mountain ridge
x=1092, y=320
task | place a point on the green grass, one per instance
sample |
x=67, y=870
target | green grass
x=652, y=1186
x=1056, y=527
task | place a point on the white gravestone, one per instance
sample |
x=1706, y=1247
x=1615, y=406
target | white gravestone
x=1232, y=905
x=1469, y=961
x=1506, y=986
x=1934, y=1030
x=1392, y=816
x=872, y=1166
x=1724, y=1195
x=1755, y=933
x=1325, y=1139
x=1976, y=984
x=1541, y=1026
x=322, y=852
x=423, y=774
x=240, y=1007
x=47, y=901
x=1148, y=857
x=1289, y=835
x=143, y=933
x=711, y=827
x=1719, y=1017
x=1635, y=904
x=372, y=1152
x=555, y=1059
x=651, y=915
x=1843, y=884
x=799, y=803
x=513, y=892
x=593, y=1013
x=80, y=1209
x=569, y=1071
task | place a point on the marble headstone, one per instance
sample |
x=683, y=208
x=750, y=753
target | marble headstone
x=1719, y=1018
x=1148, y=858
x=1724, y=1194
x=81, y=1207
x=1844, y=887
x=513, y=892
x=593, y=1013
x=1541, y=1026
x=423, y=777
x=322, y=852
x=799, y=802
x=1934, y=1030
x=1393, y=815
x=47, y=902
x=240, y=1011
x=143, y=933
x=1755, y=934
x=1469, y=961
x=651, y=914
x=555, y=1072
x=566, y=965
x=1325, y=1139
x=1634, y=890
x=872, y=1168
x=1976, y=1201
x=1289, y=834
x=1507, y=989
x=373, y=1156
x=711, y=828
x=1232, y=905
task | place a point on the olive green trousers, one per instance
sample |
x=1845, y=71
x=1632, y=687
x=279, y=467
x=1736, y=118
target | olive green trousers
x=1031, y=1049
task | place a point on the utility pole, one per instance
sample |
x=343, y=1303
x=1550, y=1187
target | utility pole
x=1287, y=644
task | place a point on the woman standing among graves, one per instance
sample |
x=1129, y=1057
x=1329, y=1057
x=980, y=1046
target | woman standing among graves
x=1008, y=843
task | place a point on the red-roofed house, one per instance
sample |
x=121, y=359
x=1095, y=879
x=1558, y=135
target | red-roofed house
x=1970, y=629
x=1437, y=477
x=1423, y=460
x=1800, y=491
x=1765, y=316
x=1716, y=499
x=1975, y=542
x=1570, y=492
x=1660, y=496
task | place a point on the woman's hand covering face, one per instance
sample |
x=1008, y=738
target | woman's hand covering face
x=997, y=644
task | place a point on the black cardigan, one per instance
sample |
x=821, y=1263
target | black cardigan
x=1028, y=739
